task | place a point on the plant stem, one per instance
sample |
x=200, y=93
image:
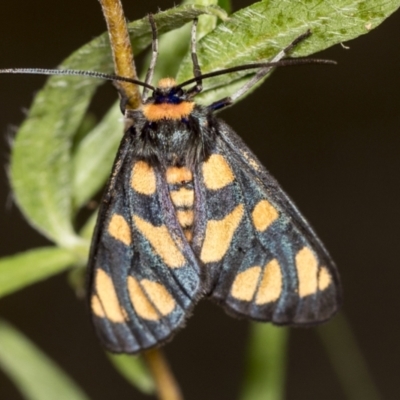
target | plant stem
x=348, y=360
x=265, y=364
x=122, y=50
x=167, y=387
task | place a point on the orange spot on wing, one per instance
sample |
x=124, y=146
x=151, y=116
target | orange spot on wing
x=159, y=296
x=96, y=306
x=157, y=112
x=119, y=229
x=106, y=303
x=307, y=271
x=217, y=173
x=143, y=178
x=140, y=302
x=161, y=241
x=219, y=235
x=264, y=214
x=271, y=284
x=245, y=284
x=324, y=279
x=151, y=300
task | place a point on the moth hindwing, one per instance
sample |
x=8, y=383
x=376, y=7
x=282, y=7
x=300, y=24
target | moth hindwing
x=189, y=212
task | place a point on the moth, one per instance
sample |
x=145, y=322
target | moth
x=189, y=212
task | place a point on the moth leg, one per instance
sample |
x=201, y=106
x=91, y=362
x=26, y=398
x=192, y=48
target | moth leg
x=227, y=101
x=154, y=55
x=196, y=66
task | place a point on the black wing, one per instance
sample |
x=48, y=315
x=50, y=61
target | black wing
x=264, y=259
x=143, y=278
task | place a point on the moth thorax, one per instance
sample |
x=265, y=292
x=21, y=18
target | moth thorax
x=181, y=189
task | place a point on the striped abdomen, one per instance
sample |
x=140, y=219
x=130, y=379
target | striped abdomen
x=180, y=184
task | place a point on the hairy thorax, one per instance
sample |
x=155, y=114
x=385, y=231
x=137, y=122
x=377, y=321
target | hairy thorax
x=184, y=141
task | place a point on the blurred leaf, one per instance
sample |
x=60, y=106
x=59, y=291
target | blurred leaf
x=30, y=267
x=206, y=22
x=258, y=32
x=88, y=123
x=94, y=156
x=134, y=370
x=265, y=364
x=87, y=230
x=225, y=5
x=41, y=171
x=33, y=373
x=347, y=359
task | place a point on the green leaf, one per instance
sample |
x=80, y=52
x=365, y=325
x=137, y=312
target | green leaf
x=134, y=370
x=30, y=267
x=347, y=359
x=225, y=5
x=87, y=230
x=265, y=367
x=94, y=156
x=41, y=170
x=35, y=375
x=258, y=32
x=206, y=22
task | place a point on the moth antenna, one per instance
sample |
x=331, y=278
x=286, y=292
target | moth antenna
x=75, y=72
x=244, y=67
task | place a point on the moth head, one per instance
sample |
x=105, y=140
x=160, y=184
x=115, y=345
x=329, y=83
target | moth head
x=167, y=92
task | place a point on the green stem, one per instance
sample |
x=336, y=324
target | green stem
x=347, y=360
x=265, y=366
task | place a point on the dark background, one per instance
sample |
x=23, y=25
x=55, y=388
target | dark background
x=331, y=135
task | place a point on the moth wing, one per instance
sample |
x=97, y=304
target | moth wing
x=275, y=269
x=143, y=279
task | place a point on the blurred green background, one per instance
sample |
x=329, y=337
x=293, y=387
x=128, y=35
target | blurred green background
x=330, y=135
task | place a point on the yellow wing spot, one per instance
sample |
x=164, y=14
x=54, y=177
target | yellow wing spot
x=264, y=214
x=324, y=279
x=157, y=112
x=140, y=302
x=182, y=197
x=108, y=300
x=143, y=178
x=271, y=284
x=185, y=218
x=245, y=284
x=119, y=229
x=159, y=296
x=161, y=241
x=217, y=173
x=165, y=83
x=151, y=300
x=307, y=271
x=219, y=235
x=176, y=175
x=96, y=306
